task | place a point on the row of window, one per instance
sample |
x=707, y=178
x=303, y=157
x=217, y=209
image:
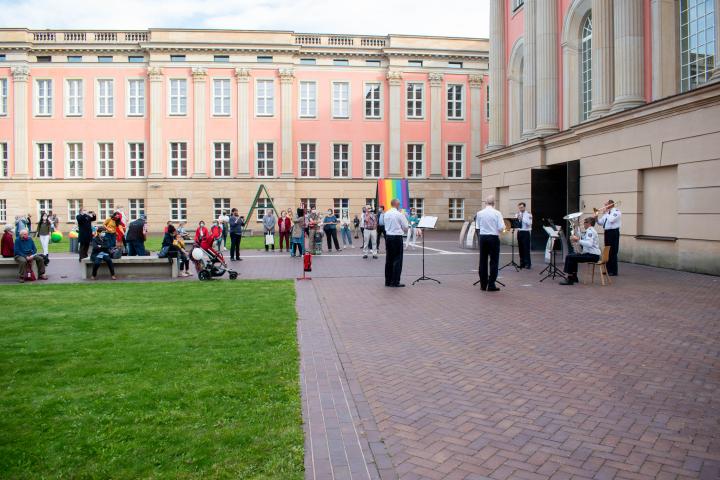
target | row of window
x=265, y=104
x=178, y=207
x=265, y=159
x=226, y=59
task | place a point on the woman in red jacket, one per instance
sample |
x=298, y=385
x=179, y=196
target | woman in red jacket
x=201, y=233
x=284, y=227
x=8, y=243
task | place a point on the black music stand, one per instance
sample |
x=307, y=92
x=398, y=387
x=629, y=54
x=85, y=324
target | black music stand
x=552, y=269
x=427, y=222
x=514, y=224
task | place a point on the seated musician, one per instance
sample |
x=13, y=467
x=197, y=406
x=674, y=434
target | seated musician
x=590, y=246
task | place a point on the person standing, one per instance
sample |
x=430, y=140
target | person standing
x=590, y=251
x=489, y=224
x=269, y=228
x=111, y=225
x=330, y=223
x=44, y=229
x=224, y=220
x=356, y=226
x=21, y=223
x=611, y=220
x=236, y=225
x=345, y=233
x=523, y=235
x=413, y=221
x=396, y=225
x=284, y=227
x=369, y=233
x=84, y=222
x=298, y=233
x=381, y=227
x=136, y=236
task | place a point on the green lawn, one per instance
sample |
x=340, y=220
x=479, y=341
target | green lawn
x=150, y=380
x=154, y=241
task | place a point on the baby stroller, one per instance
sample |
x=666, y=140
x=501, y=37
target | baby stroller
x=210, y=263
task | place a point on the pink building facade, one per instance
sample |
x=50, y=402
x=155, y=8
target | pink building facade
x=179, y=124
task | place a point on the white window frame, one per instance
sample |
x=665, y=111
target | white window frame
x=48, y=162
x=224, y=98
x=421, y=160
x=415, y=101
x=71, y=156
x=365, y=160
x=271, y=160
x=307, y=104
x=48, y=97
x=178, y=209
x=179, y=160
x=135, y=209
x=74, y=205
x=106, y=170
x=338, y=101
x=308, y=160
x=418, y=204
x=267, y=101
x=138, y=98
x=262, y=205
x=4, y=96
x=454, y=209
x=220, y=205
x=309, y=203
x=461, y=161
x=131, y=151
x=3, y=210
x=585, y=68
x=106, y=206
x=373, y=101
x=339, y=210
x=181, y=107
x=4, y=159
x=226, y=162
x=451, y=99
x=334, y=160
x=79, y=97
x=109, y=99
x=44, y=205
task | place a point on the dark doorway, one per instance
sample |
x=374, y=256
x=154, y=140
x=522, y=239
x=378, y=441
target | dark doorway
x=555, y=192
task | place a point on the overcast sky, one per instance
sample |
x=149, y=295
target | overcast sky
x=465, y=18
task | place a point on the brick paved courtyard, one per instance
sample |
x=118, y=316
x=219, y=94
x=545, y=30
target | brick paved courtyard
x=535, y=381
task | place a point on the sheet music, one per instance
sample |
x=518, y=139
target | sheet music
x=427, y=221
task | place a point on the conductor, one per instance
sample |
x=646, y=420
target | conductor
x=489, y=224
x=396, y=225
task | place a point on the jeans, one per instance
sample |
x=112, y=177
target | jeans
x=298, y=243
x=489, y=250
x=136, y=248
x=393, y=259
x=97, y=261
x=346, y=237
x=235, y=239
x=370, y=241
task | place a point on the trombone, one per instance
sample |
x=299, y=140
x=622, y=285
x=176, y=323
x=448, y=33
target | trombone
x=601, y=210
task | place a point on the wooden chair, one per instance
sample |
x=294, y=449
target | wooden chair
x=602, y=264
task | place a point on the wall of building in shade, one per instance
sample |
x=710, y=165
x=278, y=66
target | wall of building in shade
x=204, y=116
x=630, y=90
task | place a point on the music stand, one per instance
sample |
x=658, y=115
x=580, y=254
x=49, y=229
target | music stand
x=511, y=224
x=426, y=222
x=551, y=269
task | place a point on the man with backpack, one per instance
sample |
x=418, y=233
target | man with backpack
x=370, y=233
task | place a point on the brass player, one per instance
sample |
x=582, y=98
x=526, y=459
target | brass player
x=523, y=235
x=611, y=220
x=590, y=245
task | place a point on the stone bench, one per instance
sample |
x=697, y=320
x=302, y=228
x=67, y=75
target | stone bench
x=9, y=268
x=134, y=267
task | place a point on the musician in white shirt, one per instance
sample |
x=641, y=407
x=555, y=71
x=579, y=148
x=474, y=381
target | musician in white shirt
x=489, y=225
x=611, y=221
x=523, y=235
x=590, y=251
x=396, y=226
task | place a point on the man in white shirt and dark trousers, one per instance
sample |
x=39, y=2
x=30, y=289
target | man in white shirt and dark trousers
x=489, y=225
x=590, y=251
x=611, y=221
x=396, y=226
x=523, y=235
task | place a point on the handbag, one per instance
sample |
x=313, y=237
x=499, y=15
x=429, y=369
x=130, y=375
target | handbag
x=115, y=253
x=29, y=274
x=269, y=239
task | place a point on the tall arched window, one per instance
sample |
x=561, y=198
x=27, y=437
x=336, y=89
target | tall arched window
x=586, y=67
x=698, y=51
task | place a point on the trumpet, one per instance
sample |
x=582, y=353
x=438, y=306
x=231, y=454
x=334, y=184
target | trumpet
x=601, y=210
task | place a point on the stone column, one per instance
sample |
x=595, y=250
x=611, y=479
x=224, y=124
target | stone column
x=242, y=75
x=156, y=121
x=199, y=75
x=20, y=74
x=547, y=67
x=476, y=83
x=629, y=54
x=665, y=48
x=716, y=72
x=287, y=76
x=436, y=112
x=529, y=70
x=395, y=99
x=602, y=57
x=497, y=75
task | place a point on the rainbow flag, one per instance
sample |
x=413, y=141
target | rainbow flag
x=389, y=188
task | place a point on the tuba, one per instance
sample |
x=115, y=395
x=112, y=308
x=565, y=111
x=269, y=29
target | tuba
x=574, y=220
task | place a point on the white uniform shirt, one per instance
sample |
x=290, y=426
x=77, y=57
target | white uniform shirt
x=396, y=223
x=525, y=219
x=590, y=242
x=489, y=221
x=611, y=219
